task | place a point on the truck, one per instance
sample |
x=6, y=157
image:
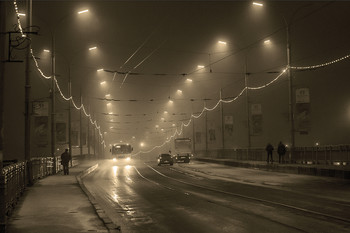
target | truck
x=183, y=149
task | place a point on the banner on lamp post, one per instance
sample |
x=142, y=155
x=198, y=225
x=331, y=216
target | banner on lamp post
x=256, y=119
x=302, y=110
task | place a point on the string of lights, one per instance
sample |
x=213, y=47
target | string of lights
x=241, y=93
x=193, y=116
x=320, y=65
x=56, y=83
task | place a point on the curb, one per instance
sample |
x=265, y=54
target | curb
x=111, y=227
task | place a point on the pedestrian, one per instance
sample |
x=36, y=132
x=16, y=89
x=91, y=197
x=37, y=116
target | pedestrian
x=269, y=149
x=281, y=150
x=65, y=158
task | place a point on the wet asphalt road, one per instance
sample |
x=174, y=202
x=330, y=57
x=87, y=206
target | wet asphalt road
x=200, y=197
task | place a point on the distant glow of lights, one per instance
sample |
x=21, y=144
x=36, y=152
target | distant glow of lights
x=105, y=132
x=110, y=113
x=99, y=70
x=21, y=14
x=179, y=91
x=267, y=42
x=258, y=4
x=200, y=66
x=108, y=95
x=121, y=141
x=142, y=144
x=157, y=126
x=46, y=50
x=173, y=125
x=162, y=119
x=165, y=112
x=133, y=137
x=222, y=42
x=189, y=80
x=111, y=127
x=170, y=101
x=108, y=104
x=317, y=144
x=83, y=11
x=162, y=129
x=103, y=82
x=92, y=48
x=177, y=132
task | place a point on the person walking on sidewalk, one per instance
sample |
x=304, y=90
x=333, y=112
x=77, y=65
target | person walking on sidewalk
x=281, y=150
x=65, y=158
x=269, y=149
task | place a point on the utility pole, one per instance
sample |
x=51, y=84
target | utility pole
x=69, y=115
x=290, y=79
x=222, y=122
x=81, y=124
x=27, y=96
x=246, y=74
x=53, y=109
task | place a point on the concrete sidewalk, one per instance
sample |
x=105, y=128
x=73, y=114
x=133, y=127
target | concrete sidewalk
x=342, y=172
x=56, y=204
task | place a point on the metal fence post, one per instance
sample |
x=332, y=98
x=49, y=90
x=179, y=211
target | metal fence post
x=2, y=202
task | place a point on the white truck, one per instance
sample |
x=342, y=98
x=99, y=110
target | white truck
x=183, y=149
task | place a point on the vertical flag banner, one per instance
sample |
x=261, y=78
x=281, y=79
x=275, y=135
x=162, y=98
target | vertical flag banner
x=302, y=110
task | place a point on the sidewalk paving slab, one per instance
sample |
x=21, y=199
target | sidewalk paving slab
x=56, y=204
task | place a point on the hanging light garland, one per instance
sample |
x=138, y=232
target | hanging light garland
x=55, y=80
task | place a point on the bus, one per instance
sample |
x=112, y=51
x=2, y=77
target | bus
x=121, y=152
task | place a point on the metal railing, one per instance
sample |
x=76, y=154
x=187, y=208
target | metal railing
x=16, y=176
x=333, y=155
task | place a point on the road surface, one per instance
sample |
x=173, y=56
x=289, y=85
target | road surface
x=203, y=197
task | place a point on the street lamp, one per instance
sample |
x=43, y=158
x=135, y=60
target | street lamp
x=53, y=80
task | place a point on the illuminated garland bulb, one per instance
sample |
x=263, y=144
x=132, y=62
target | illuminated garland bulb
x=108, y=95
x=222, y=42
x=200, y=66
x=165, y=112
x=258, y=4
x=110, y=113
x=173, y=125
x=179, y=91
x=170, y=101
x=104, y=82
x=108, y=104
x=99, y=70
x=189, y=80
x=267, y=42
x=21, y=14
x=46, y=50
x=162, y=119
x=83, y=11
x=92, y=48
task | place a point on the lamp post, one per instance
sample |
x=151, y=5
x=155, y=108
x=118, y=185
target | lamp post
x=52, y=97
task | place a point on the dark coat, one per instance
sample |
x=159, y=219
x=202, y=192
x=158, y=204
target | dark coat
x=269, y=148
x=65, y=157
x=281, y=150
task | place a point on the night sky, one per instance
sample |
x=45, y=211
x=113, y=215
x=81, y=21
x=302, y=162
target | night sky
x=149, y=50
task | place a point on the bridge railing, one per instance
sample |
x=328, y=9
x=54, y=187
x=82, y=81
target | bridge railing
x=14, y=178
x=334, y=154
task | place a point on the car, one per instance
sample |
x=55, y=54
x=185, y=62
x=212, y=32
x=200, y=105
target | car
x=165, y=159
x=183, y=157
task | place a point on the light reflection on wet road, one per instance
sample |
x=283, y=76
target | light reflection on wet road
x=147, y=198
